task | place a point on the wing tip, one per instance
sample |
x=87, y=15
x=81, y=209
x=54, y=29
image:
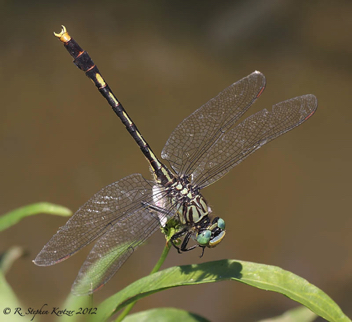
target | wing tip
x=313, y=105
x=42, y=260
x=80, y=288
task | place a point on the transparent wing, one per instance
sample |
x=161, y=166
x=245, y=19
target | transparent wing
x=116, y=202
x=193, y=137
x=255, y=131
x=113, y=249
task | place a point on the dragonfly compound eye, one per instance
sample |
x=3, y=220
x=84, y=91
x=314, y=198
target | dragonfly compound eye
x=204, y=237
x=221, y=223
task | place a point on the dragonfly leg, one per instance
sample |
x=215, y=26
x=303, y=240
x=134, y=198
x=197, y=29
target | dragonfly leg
x=176, y=236
x=185, y=241
x=203, y=249
x=157, y=212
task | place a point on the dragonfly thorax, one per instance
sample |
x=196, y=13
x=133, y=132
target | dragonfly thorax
x=192, y=205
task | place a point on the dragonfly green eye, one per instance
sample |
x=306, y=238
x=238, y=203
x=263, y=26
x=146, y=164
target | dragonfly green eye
x=221, y=223
x=204, y=237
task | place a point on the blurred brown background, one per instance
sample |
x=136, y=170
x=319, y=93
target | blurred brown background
x=287, y=205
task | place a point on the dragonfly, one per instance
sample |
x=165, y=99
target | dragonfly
x=202, y=149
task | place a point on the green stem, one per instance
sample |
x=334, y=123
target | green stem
x=162, y=258
x=154, y=270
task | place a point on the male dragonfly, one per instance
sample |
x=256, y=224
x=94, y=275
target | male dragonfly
x=202, y=149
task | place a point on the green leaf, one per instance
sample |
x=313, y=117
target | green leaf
x=301, y=314
x=14, y=216
x=8, y=298
x=8, y=258
x=262, y=276
x=155, y=269
x=77, y=308
x=165, y=315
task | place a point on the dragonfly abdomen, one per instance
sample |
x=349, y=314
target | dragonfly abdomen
x=83, y=61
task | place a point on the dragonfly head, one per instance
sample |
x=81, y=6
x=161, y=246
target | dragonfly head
x=212, y=235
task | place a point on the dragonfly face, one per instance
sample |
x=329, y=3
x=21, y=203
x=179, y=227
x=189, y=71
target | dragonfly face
x=212, y=235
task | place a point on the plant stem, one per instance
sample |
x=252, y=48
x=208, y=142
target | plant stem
x=154, y=270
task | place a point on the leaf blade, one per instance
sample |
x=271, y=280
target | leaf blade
x=168, y=314
x=13, y=217
x=262, y=276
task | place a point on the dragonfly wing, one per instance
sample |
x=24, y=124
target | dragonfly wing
x=113, y=249
x=255, y=131
x=112, y=204
x=193, y=137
